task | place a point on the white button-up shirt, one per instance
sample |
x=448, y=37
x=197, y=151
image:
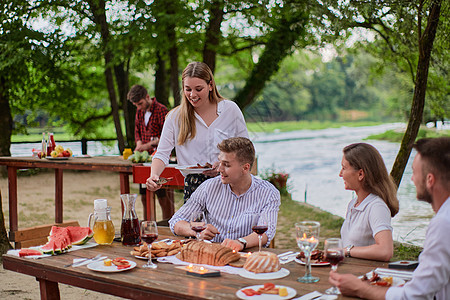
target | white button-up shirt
x=229, y=213
x=432, y=277
x=203, y=147
x=363, y=222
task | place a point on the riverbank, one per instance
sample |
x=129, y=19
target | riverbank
x=36, y=194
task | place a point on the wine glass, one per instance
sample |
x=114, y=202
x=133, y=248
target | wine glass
x=307, y=241
x=259, y=225
x=149, y=233
x=198, y=222
x=334, y=253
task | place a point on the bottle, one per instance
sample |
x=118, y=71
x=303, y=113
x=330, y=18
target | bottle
x=130, y=229
x=49, y=146
x=52, y=141
x=101, y=224
x=44, y=146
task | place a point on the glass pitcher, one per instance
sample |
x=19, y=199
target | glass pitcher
x=129, y=231
x=102, y=226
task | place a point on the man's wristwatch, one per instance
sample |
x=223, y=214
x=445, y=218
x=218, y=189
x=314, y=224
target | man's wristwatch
x=347, y=250
x=243, y=241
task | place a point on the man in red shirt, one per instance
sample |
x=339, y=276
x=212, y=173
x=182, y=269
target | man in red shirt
x=150, y=116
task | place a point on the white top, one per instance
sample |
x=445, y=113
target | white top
x=229, y=213
x=362, y=223
x=147, y=116
x=203, y=147
x=432, y=277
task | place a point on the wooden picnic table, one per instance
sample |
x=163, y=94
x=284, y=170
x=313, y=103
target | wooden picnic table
x=165, y=282
x=95, y=163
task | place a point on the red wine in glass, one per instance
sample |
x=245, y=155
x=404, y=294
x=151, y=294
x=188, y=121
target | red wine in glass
x=260, y=229
x=149, y=238
x=334, y=256
x=198, y=228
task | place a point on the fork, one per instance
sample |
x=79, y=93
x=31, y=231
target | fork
x=289, y=256
x=82, y=261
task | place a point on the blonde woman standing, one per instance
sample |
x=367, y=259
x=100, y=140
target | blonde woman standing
x=195, y=128
x=367, y=231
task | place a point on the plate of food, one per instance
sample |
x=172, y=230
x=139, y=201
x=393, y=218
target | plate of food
x=194, y=169
x=267, y=291
x=317, y=259
x=375, y=279
x=115, y=265
x=272, y=275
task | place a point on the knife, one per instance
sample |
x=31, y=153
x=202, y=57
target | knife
x=284, y=254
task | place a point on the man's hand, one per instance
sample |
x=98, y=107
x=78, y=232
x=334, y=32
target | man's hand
x=151, y=183
x=209, y=233
x=233, y=244
x=350, y=285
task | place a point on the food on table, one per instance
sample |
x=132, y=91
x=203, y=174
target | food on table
x=27, y=252
x=60, y=152
x=375, y=279
x=107, y=262
x=199, y=252
x=250, y=292
x=140, y=157
x=199, y=166
x=268, y=288
x=159, y=249
x=317, y=256
x=61, y=239
x=121, y=263
x=262, y=262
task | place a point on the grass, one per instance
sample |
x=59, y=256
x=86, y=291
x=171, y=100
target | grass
x=397, y=136
x=301, y=125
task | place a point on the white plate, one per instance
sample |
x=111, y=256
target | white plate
x=395, y=280
x=144, y=258
x=241, y=295
x=57, y=158
x=273, y=275
x=321, y=264
x=100, y=267
x=186, y=171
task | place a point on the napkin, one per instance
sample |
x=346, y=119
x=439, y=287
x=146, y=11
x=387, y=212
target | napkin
x=288, y=258
x=173, y=260
x=406, y=275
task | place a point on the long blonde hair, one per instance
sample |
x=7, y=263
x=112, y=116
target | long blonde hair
x=186, y=117
x=376, y=178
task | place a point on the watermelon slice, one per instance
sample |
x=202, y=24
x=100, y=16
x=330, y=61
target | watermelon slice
x=27, y=252
x=61, y=239
x=80, y=235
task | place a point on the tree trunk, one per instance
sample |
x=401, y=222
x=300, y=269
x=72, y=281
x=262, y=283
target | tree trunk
x=161, y=83
x=213, y=34
x=425, y=47
x=7, y=124
x=129, y=110
x=173, y=59
x=291, y=26
x=99, y=13
x=4, y=241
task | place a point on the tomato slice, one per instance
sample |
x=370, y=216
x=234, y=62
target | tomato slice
x=269, y=286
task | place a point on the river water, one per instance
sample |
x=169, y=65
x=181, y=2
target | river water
x=312, y=158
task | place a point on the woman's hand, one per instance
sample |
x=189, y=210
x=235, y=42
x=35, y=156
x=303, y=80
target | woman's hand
x=151, y=183
x=214, y=170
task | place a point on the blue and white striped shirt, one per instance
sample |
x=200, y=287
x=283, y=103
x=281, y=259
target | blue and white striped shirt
x=229, y=213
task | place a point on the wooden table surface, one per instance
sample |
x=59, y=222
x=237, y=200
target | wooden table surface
x=166, y=282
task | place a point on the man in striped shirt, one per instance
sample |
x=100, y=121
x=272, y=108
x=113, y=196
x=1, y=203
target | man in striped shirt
x=231, y=199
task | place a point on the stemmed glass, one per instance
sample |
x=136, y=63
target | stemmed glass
x=307, y=241
x=259, y=225
x=334, y=253
x=149, y=233
x=198, y=222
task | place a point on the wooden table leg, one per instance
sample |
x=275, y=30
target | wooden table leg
x=49, y=289
x=124, y=183
x=12, y=188
x=58, y=195
x=150, y=213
